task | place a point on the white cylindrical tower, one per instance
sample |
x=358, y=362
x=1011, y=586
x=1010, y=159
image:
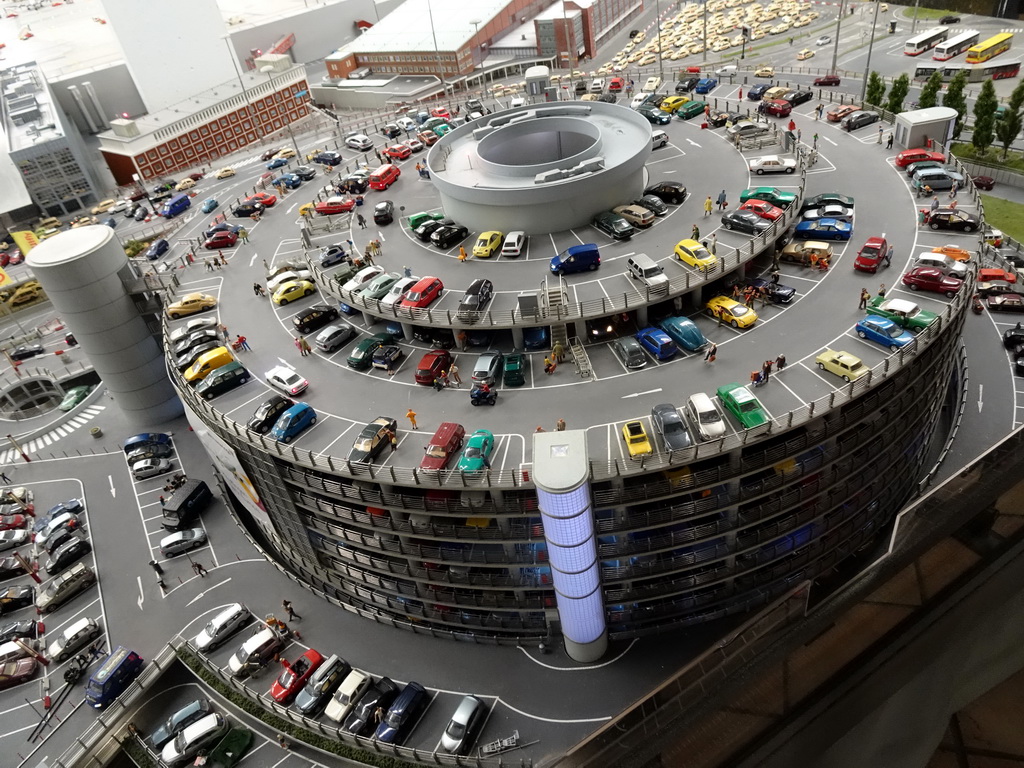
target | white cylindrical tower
x=82, y=271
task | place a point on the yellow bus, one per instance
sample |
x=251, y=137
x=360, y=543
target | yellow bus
x=985, y=50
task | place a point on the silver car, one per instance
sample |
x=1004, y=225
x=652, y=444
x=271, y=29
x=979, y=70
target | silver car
x=150, y=468
x=488, y=367
x=182, y=541
x=222, y=626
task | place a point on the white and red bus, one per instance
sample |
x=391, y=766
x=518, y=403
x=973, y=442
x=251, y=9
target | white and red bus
x=927, y=40
x=956, y=45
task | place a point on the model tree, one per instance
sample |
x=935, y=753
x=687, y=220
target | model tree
x=954, y=99
x=930, y=92
x=898, y=93
x=1008, y=128
x=985, y=117
x=876, y=89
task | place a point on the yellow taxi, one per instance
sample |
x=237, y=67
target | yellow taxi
x=844, y=365
x=224, y=173
x=764, y=72
x=292, y=290
x=805, y=54
x=488, y=244
x=307, y=209
x=732, y=312
x=102, y=206
x=696, y=255
x=190, y=305
x=285, y=152
x=185, y=184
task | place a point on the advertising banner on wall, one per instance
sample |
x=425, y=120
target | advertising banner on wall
x=231, y=470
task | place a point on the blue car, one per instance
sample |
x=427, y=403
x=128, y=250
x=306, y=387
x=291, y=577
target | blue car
x=290, y=180
x=209, y=205
x=824, y=229
x=884, y=331
x=536, y=337
x=110, y=223
x=157, y=249
x=277, y=162
x=293, y=421
x=658, y=343
x=706, y=85
x=757, y=91
x=684, y=332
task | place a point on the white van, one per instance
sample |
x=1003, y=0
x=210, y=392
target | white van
x=258, y=649
x=705, y=419
x=642, y=267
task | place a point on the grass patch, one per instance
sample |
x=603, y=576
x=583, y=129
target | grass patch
x=1005, y=215
x=992, y=156
x=925, y=13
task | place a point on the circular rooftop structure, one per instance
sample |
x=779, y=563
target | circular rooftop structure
x=541, y=168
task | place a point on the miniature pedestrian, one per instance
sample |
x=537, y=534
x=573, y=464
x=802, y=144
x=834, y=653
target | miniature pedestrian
x=258, y=290
x=223, y=331
x=799, y=135
x=766, y=369
x=952, y=191
x=156, y=565
x=287, y=606
x=776, y=262
x=695, y=232
x=243, y=235
x=792, y=125
x=711, y=354
x=209, y=264
x=935, y=204
x=708, y=206
x=462, y=254
x=775, y=276
x=368, y=256
x=267, y=266
x=880, y=132
x=411, y=416
x=722, y=200
x=407, y=271
x=888, y=142
x=199, y=570
x=444, y=379
x=283, y=742
x=378, y=715
x=394, y=440
x=819, y=111
x=881, y=290
x=558, y=351
x=780, y=362
x=815, y=140
x=304, y=347
x=888, y=256
x=547, y=365
x=437, y=384
x=539, y=429
x=737, y=291
x=361, y=221
x=298, y=344
x=351, y=246
x=377, y=250
x=865, y=294
x=560, y=425
x=243, y=343
x=453, y=375
x=922, y=216
x=218, y=260
x=813, y=260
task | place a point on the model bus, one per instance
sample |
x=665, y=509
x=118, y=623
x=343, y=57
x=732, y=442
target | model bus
x=975, y=74
x=918, y=44
x=992, y=47
x=956, y=45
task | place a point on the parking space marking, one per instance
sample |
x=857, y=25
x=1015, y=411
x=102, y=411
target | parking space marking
x=324, y=452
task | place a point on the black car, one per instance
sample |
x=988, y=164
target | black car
x=449, y=235
x=131, y=210
x=384, y=212
x=1018, y=361
x=798, y=96
x=141, y=213
x=58, y=538
x=192, y=712
x=13, y=598
x=354, y=183
x=265, y=417
x=331, y=255
x=828, y=198
x=607, y=98
x=949, y=20
x=222, y=227
x=185, y=359
x=777, y=293
x=373, y=438
x=745, y=221
x=391, y=130
x=245, y=210
x=18, y=630
x=1014, y=337
x=157, y=249
x=687, y=85
x=305, y=172
x=360, y=720
x=25, y=351
x=475, y=298
x=757, y=91
x=951, y=218
x=385, y=357
x=194, y=340
x=613, y=225
x=10, y=567
x=653, y=204
x=67, y=553
x=427, y=228
x=669, y=191
x=654, y=115
x=314, y=318
x=669, y=424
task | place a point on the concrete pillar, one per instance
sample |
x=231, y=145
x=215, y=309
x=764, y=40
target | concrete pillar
x=641, y=317
x=517, y=337
x=81, y=271
x=407, y=331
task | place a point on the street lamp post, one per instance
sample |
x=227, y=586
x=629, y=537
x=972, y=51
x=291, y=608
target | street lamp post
x=867, y=64
x=440, y=65
x=476, y=32
x=661, y=53
x=267, y=70
x=839, y=26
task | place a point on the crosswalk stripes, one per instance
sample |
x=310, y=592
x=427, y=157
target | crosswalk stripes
x=51, y=437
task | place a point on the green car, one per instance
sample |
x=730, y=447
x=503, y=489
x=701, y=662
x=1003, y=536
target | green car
x=418, y=218
x=441, y=130
x=362, y=354
x=477, y=453
x=73, y=397
x=380, y=285
x=741, y=402
x=691, y=109
x=904, y=313
x=515, y=370
x=768, y=194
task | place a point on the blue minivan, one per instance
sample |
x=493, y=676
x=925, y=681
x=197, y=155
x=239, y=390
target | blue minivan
x=114, y=675
x=177, y=204
x=578, y=258
x=403, y=714
x=299, y=417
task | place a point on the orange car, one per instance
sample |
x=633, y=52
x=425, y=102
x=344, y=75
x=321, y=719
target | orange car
x=427, y=137
x=837, y=113
x=954, y=252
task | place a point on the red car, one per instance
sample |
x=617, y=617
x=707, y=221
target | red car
x=11, y=522
x=837, y=113
x=870, y=256
x=266, y=198
x=431, y=365
x=908, y=156
x=196, y=176
x=221, y=240
x=441, y=112
x=398, y=151
x=423, y=293
x=929, y=279
x=983, y=182
x=827, y=80
x=5, y=258
x=295, y=676
x=616, y=84
x=16, y=256
x=14, y=672
x=333, y=205
x=993, y=275
x=777, y=107
x=763, y=209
